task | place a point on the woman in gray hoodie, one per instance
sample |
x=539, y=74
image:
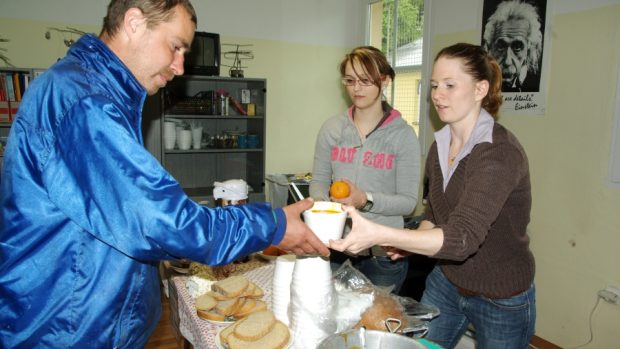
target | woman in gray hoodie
x=373, y=149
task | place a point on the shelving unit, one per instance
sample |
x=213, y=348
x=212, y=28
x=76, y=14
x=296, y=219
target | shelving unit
x=8, y=104
x=197, y=169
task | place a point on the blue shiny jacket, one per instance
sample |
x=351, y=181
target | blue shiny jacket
x=87, y=213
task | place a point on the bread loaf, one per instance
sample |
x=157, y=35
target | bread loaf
x=383, y=307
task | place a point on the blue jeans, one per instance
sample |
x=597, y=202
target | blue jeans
x=382, y=271
x=498, y=323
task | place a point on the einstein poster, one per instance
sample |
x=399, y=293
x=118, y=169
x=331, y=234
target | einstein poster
x=513, y=31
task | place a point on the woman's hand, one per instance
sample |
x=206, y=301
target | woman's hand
x=356, y=198
x=396, y=253
x=363, y=234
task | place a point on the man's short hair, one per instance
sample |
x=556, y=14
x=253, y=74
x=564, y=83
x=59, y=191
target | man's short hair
x=515, y=9
x=155, y=11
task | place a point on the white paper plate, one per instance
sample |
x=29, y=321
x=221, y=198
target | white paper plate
x=218, y=322
x=219, y=344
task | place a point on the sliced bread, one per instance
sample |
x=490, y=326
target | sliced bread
x=257, y=292
x=205, y=302
x=255, y=325
x=229, y=306
x=249, y=290
x=226, y=332
x=232, y=286
x=277, y=338
x=212, y=315
x=245, y=308
x=217, y=296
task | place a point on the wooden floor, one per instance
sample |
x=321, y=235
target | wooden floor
x=163, y=337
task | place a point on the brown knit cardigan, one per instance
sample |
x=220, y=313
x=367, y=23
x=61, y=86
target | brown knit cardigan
x=484, y=213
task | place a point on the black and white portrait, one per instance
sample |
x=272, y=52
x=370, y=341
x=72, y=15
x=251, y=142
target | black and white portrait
x=513, y=33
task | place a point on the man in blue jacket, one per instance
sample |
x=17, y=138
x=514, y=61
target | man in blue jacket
x=88, y=213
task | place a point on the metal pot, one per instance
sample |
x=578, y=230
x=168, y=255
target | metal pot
x=367, y=339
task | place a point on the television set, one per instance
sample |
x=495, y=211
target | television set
x=203, y=57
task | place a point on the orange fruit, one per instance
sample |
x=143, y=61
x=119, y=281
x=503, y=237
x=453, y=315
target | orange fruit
x=339, y=190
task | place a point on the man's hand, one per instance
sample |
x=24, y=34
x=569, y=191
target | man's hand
x=298, y=238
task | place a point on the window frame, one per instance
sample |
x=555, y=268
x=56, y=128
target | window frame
x=425, y=69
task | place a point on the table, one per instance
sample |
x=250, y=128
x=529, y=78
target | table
x=201, y=333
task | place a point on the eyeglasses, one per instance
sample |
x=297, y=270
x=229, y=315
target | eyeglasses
x=351, y=82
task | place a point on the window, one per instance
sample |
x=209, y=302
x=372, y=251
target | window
x=397, y=27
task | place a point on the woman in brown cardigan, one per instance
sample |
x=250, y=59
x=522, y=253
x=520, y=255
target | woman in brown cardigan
x=479, y=207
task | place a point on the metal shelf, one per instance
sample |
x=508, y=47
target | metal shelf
x=198, y=151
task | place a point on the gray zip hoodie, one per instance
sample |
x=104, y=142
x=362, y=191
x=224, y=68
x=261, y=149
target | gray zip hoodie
x=387, y=165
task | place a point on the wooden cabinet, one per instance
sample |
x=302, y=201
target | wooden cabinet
x=233, y=143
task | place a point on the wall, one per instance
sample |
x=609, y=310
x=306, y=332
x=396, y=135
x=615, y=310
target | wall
x=574, y=228
x=297, y=47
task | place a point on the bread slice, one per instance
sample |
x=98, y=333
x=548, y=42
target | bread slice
x=212, y=315
x=229, y=306
x=277, y=338
x=232, y=286
x=217, y=296
x=247, y=305
x=205, y=302
x=257, y=292
x=249, y=290
x=260, y=305
x=226, y=332
x=255, y=326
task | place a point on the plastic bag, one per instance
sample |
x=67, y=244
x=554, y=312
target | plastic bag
x=406, y=315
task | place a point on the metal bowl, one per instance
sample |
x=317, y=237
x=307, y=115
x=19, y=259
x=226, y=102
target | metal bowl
x=367, y=339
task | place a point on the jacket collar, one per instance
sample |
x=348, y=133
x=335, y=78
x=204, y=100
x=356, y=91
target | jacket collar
x=99, y=58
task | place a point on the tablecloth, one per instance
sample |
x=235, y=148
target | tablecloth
x=201, y=333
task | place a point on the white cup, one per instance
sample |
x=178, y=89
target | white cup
x=184, y=139
x=281, y=287
x=196, y=137
x=326, y=219
x=170, y=135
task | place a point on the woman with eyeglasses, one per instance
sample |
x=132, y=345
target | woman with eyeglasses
x=373, y=149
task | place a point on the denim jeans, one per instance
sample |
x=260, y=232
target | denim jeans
x=382, y=271
x=498, y=323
